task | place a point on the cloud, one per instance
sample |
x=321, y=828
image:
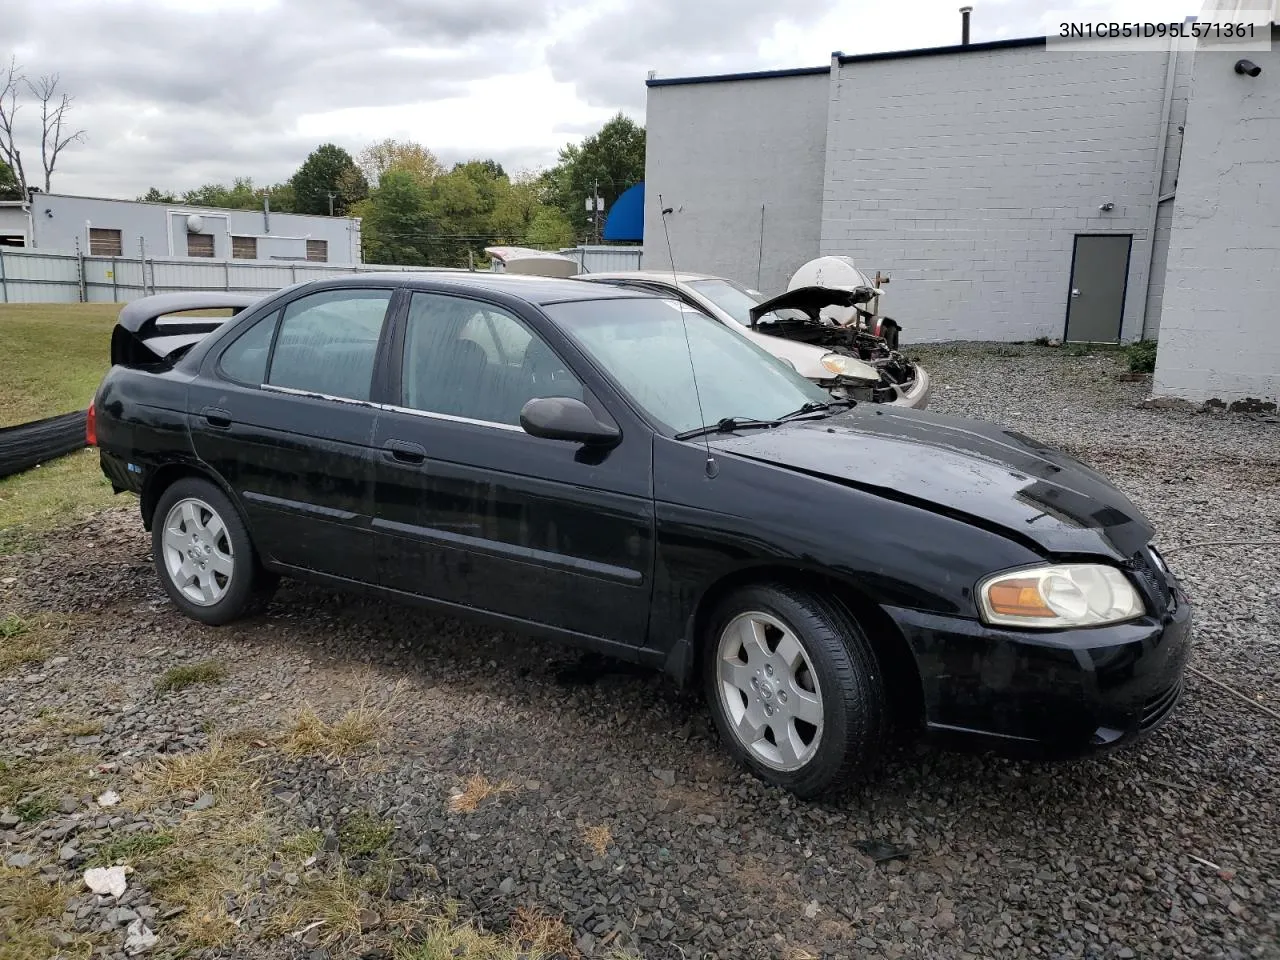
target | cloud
x=175, y=93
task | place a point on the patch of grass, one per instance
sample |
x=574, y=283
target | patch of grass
x=1041, y=341
x=17, y=646
x=532, y=935
x=1142, y=356
x=219, y=766
x=475, y=791
x=32, y=787
x=52, y=357
x=179, y=678
x=83, y=728
x=311, y=735
x=1080, y=350
x=131, y=847
x=299, y=847
x=29, y=638
x=30, y=908
x=363, y=835
x=598, y=839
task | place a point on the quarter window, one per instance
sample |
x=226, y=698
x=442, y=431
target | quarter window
x=469, y=359
x=246, y=359
x=328, y=341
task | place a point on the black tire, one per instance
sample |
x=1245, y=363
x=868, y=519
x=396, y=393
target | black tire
x=855, y=712
x=248, y=586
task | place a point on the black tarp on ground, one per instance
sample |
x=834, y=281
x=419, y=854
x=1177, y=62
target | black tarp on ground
x=24, y=446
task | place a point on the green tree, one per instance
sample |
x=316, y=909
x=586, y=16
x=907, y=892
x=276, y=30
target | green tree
x=549, y=230
x=282, y=197
x=9, y=187
x=377, y=158
x=155, y=195
x=328, y=170
x=611, y=160
x=394, y=226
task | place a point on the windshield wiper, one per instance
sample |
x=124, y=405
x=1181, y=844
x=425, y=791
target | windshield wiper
x=726, y=425
x=815, y=406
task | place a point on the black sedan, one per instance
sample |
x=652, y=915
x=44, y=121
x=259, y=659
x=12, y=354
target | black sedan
x=611, y=468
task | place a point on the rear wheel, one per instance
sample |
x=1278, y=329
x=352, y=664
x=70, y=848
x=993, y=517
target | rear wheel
x=795, y=688
x=204, y=556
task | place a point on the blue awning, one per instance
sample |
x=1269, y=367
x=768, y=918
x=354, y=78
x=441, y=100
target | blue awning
x=626, y=220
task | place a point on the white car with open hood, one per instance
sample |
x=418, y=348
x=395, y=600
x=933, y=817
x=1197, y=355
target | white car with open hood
x=803, y=327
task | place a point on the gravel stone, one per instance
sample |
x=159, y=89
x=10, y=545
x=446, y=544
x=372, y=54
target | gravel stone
x=935, y=855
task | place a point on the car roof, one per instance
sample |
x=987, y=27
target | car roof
x=660, y=276
x=534, y=289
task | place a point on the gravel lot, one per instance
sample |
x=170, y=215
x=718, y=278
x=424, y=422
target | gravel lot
x=1170, y=848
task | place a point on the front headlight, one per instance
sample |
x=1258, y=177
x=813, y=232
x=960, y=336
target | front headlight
x=1063, y=595
x=843, y=366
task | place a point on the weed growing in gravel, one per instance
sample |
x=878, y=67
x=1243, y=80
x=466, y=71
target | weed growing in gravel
x=311, y=735
x=362, y=835
x=17, y=646
x=999, y=350
x=1142, y=356
x=130, y=847
x=598, y=839
x=475, y=791
x=179, y=678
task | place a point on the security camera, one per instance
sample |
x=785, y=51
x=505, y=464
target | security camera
x=1106, y=206
x=1248, y=67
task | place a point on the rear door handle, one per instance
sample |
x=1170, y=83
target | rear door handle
x=404, y=451
x=216, y=416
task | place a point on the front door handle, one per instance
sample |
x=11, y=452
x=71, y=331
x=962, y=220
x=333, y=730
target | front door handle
x=216, y=416
x=404, y=451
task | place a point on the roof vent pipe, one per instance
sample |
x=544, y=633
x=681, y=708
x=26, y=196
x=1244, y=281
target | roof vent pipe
x=964, y=25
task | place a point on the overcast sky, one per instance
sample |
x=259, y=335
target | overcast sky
x=175, y=93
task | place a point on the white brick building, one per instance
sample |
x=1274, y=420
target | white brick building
x=1010, y=191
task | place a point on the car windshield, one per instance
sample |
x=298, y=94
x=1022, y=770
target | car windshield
x=641, y=343
x=733, y=299
x=737, y=301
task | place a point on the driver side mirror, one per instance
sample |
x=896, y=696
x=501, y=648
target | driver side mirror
x=564, y=418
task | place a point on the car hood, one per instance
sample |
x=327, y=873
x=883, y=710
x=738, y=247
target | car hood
x=980, y=472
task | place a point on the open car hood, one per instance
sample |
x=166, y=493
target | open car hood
x=810, y=300
x=988, y=475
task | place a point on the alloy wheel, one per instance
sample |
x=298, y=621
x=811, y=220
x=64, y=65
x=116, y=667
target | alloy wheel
x=769, y=691
x=197, y=551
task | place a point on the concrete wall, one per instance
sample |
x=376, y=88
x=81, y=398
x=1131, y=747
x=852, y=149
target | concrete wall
x=1220, y=333
x=967, y=176
x=717, y=152
x=62, y=221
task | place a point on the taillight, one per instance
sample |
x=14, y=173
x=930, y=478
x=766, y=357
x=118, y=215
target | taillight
x=91, y=426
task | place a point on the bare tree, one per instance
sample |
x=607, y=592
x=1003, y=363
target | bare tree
x=53, y=113
x=10, y=80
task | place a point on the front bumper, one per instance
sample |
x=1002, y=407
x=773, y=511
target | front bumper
x=1052, y=693
x=917, y=395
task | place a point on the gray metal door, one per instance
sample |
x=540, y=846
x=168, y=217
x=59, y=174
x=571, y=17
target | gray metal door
x=1099, y=274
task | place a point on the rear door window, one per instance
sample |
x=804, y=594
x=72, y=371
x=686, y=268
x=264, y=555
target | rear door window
x=328, y=343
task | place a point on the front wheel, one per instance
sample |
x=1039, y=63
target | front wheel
x=794, y=687
x=203, y=553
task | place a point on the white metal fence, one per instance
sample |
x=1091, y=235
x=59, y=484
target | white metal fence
x=28, y=276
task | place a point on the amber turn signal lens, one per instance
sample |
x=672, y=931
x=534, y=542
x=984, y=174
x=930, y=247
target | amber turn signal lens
x=1018, y=598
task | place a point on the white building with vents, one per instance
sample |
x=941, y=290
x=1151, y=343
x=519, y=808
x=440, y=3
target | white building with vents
x=1009, y=189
